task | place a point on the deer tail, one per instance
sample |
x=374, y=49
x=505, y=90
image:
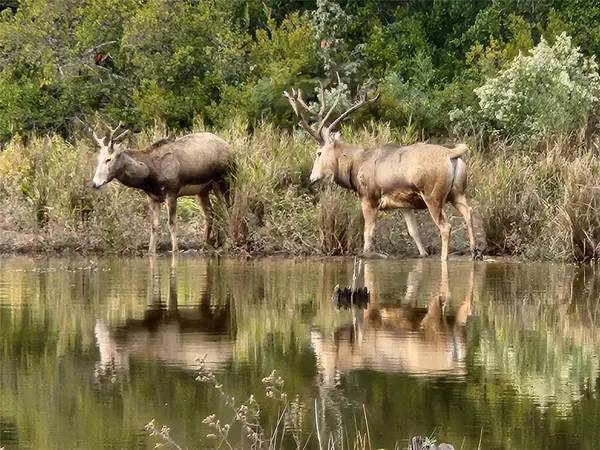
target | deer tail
x=458, y=151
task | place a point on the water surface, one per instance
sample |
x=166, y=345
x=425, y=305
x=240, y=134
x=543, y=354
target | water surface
x=497, y=352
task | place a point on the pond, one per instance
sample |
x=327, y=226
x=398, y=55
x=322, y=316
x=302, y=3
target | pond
x=491, y=355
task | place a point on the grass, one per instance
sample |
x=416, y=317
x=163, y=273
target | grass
x=244, y=429
x=539, y=204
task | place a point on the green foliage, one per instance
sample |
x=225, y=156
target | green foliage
x=416, y=102
x=181, y=54
x=551, y=91
x=396, y=47
x=331, y=28
x=228, y=60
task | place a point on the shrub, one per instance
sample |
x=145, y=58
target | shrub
x=552, y=91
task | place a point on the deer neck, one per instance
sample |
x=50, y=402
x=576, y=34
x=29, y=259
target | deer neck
x=135, y=172
x=347, y=166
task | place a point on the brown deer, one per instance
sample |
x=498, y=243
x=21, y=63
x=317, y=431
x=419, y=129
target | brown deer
x=190, y=165
x=418, y=176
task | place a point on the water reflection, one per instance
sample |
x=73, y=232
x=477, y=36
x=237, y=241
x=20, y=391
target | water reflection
x=510, y=349
x=422, y=341
x=545, y=339
x=168, y=333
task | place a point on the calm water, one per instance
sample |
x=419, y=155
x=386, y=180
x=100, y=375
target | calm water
x=91, y=351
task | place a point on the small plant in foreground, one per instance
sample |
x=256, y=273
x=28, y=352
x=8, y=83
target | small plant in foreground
x=247, y=416
x=290, y=420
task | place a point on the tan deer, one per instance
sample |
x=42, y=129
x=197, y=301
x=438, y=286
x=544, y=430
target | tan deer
x=190, y=165
x=418, y=176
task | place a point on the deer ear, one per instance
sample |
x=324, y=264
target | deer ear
x=330, y=137
x=117, y=148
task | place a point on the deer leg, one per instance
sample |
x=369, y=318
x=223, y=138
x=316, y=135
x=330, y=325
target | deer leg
x=460, y=203
x=172, y=211
x=370, y=217
x=413, y=230
x=154, y=224
x=204, y=203
x=225, y=190
x=439, y=217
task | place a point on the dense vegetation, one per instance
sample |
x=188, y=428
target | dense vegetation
x=517, y=79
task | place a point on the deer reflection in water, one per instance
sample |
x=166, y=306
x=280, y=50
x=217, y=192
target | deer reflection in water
x=169, y=333
x=404, y=339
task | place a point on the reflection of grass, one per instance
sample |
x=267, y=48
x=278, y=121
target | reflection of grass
x=545, y=349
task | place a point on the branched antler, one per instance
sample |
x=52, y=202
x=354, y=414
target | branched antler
x=300, y=107
x=295, y=100
x=113, y=131
x=111, y=135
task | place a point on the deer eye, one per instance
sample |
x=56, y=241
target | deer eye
x=318, y=154
x=108, y=160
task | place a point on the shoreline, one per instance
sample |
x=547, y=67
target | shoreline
x=241, y=255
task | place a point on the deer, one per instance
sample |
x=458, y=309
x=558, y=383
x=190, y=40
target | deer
x=414, y=177
x=191, y=165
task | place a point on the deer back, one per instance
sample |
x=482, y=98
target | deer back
x=191, y=159
x=393, y=168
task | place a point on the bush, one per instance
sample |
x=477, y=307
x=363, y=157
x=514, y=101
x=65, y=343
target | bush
x=552, y=91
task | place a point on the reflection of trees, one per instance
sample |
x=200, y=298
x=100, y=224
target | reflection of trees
x=48, y=355
x=540, y=329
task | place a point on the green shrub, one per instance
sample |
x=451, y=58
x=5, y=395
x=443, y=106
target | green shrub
x=552, y=91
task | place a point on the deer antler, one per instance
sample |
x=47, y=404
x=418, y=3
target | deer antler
x=362, y=100
x=91, y=131
x=113, y=131
x=298, y=104
x=100, y=141
x=296, y=99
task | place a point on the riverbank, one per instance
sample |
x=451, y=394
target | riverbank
x=528, y=205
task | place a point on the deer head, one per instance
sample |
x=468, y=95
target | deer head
x=328, y=137
x=109, y=163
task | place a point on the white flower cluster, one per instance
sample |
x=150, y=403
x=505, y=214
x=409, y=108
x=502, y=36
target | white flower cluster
x=552, y=90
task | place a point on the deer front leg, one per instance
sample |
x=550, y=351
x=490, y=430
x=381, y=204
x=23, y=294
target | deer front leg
x=172, y=212
x=370, y=217
x=413, y=230
x=154, y=224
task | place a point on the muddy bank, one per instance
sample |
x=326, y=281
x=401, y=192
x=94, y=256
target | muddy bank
x=391, y=241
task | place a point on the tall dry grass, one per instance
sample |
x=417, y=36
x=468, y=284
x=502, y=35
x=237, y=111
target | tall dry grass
x=533, y=204
x=542, y=205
